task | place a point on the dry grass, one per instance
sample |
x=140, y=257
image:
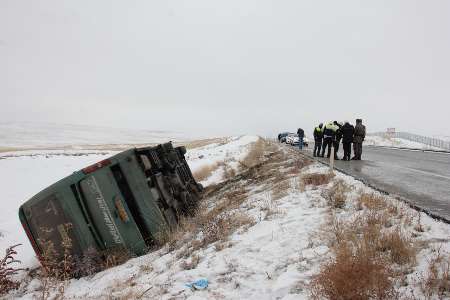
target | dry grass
x=177, y=237
x=437, y=278
x=231, y=199
x=256, y=153
x=280, y=190
x=115, y=257
x=365, y=263
x=377, y=218
x=400, y=248
x=220, y=227
x=336, y=195
x=419, y=227
x=192, y=263
x=297, y=165
x=392, y=209
x=393, y=245
x=340, y=231
x=372, y=201
x=354, y=274
x=213, y=224
x=371, y=255
x=276, y=176
x=300, y=185
x=228, y=171
x=316, y=179
x=56, y=270
x=204, y=172
x=222, y=245
x=8, y=270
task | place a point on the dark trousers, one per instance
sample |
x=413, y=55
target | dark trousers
x=357, y=148
x=300, y=143
x=327, y=142
x=317, y=147
x=336, y=148
x=347, y=150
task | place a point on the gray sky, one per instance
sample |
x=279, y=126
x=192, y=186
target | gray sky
x=227, y=67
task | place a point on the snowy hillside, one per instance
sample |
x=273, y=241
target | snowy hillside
x=273, y=225
x=48, y=136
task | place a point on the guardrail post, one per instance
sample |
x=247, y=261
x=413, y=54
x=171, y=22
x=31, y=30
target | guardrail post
x=332, y=161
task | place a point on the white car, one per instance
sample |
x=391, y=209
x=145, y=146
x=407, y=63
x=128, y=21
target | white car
x=292, y=139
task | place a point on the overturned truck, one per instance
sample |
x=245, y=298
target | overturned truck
x=124, y=202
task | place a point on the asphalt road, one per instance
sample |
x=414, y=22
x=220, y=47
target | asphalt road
x=422, y=178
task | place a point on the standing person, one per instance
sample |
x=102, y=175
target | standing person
x=329, y=133
x=358, y=139
x=337, y=139
x=301, y=136
x=347, y=138
x=318, y=137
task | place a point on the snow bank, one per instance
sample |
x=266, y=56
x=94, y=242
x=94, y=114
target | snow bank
x=230, y=153
x=272, y=258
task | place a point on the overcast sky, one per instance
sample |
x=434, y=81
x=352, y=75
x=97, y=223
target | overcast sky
x=227, y=67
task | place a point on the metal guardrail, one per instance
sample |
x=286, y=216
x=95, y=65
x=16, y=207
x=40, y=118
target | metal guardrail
x=432, y=142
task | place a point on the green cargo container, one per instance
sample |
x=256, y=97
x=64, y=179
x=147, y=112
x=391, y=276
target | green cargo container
x=124, y=202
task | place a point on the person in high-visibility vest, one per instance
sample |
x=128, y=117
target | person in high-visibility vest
x=318, y=138
x=329, y=134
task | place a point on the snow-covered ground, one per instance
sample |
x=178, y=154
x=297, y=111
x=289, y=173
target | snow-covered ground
x=49, y=136
x=272, y=256
x=229, y=153
x=396, y=142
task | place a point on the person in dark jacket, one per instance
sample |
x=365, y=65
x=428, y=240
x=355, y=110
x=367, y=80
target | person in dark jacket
x=318, y=137
x=358, y=139
x=347, y=138
x=337, y=139
x=301, y=136
x=329, y=133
